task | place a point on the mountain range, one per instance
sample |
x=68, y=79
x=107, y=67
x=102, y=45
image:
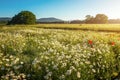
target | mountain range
x=51, y=19
x=5, y=18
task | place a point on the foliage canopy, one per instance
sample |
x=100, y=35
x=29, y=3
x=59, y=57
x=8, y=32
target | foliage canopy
x=24, y=17
x=98, y=19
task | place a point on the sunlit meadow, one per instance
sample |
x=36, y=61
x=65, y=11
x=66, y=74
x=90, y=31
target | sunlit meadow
x=32, y=53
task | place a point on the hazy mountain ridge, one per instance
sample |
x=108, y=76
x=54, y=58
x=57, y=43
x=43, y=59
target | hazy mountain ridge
x=51, y=19
x=5, y=18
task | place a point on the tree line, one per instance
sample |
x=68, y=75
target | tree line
x=27, y=17
x=98, y=19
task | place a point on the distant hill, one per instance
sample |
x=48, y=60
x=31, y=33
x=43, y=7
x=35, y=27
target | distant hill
x=51, y=19
x=5, y=19
x=42, y=20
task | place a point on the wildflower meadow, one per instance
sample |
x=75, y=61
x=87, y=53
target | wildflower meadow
x=30, y=53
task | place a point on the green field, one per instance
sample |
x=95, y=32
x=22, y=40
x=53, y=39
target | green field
x=60, y=52
x=92, y=27
x=86, y=27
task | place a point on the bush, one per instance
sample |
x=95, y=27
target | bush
x=24, y=17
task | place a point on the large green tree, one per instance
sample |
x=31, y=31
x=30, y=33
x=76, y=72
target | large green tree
x=24, y=17
x=98, y=19
x=89, y=19
x=101, y=18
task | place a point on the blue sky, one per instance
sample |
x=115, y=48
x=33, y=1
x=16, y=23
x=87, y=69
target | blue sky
x=63, y=9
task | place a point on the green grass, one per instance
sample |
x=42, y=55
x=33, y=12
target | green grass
x=92, y=27
x=88, y=27
x=57, y=54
